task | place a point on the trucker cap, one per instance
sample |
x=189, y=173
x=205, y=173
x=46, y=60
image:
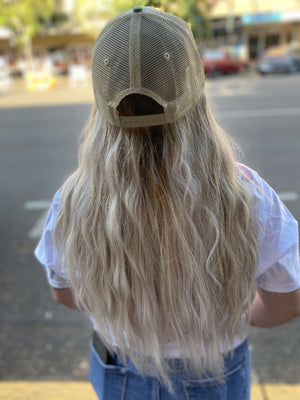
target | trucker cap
x=146, y=51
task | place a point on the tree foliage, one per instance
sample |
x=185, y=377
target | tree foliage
x=91, y=15
x=195, y=13
x=25, y=18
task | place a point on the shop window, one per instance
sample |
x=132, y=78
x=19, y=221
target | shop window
x=272, y=40
x=253, y=46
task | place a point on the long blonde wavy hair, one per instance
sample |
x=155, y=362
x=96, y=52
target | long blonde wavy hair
x=156, y=230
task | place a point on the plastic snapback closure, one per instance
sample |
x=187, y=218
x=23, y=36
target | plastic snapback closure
x=136, y=121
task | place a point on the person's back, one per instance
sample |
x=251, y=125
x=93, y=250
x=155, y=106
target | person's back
x=161, y=236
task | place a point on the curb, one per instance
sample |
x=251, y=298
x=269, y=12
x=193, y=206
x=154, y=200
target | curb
x=21, y=390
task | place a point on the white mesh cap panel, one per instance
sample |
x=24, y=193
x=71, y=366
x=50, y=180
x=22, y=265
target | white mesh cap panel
x=148, y=52
x=160, y=59
x=111, y=73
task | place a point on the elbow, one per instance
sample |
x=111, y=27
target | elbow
x=296, y=308
x=297, y=312
x=65, y=297
x=61, y=296
x=57, y=295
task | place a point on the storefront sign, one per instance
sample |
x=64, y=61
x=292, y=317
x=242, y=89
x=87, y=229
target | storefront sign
x=265, y=18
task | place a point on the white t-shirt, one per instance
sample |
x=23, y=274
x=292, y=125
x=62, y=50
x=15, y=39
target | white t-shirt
x=278, y=268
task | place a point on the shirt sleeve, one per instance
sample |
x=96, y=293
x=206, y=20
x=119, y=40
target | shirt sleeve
x=283, y=276
x=278, y=268
x=46, y=251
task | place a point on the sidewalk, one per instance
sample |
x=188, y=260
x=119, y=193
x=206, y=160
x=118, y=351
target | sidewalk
x=63, y=93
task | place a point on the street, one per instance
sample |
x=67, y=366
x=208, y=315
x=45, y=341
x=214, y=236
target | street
x=40, y=340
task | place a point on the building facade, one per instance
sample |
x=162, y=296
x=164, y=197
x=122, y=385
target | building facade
x=258, y=24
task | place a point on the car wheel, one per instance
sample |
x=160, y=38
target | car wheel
x=215, y=72
x=289, y=69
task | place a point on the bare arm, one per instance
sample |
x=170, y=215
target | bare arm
x=65, y=297
x=270, y=309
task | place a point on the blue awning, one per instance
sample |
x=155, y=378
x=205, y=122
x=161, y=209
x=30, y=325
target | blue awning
x=264, y=18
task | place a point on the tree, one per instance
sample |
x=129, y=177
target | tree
x=92, y=15
x=25, y=18
x=195, y=13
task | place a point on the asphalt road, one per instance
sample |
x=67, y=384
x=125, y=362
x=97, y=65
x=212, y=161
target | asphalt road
x=40, y=340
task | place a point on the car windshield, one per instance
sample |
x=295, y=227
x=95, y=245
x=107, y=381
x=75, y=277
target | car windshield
x=270, y=59
x=213, y=54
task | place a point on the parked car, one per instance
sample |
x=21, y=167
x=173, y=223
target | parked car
x=220, y=61
x=275, y=64
x=295, y=55
x=279, y=59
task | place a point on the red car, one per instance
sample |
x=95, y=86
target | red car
x=218, y=62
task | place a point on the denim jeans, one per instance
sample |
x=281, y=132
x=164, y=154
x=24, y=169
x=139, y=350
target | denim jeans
x=114, y=381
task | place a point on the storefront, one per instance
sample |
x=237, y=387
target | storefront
x=264, y=30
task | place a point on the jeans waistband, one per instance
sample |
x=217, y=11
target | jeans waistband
x=176, y=364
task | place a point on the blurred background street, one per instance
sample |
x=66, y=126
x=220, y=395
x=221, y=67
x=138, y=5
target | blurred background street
x=253, y=84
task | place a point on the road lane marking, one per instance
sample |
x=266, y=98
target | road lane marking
x=282, y=392
x=51, y=390
x=233, y=90
x=37, y=229
x=288, y=196
x=230, y=88
x=259, y=113
x=230, y=92
x=21, y=390
x=37, y=205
